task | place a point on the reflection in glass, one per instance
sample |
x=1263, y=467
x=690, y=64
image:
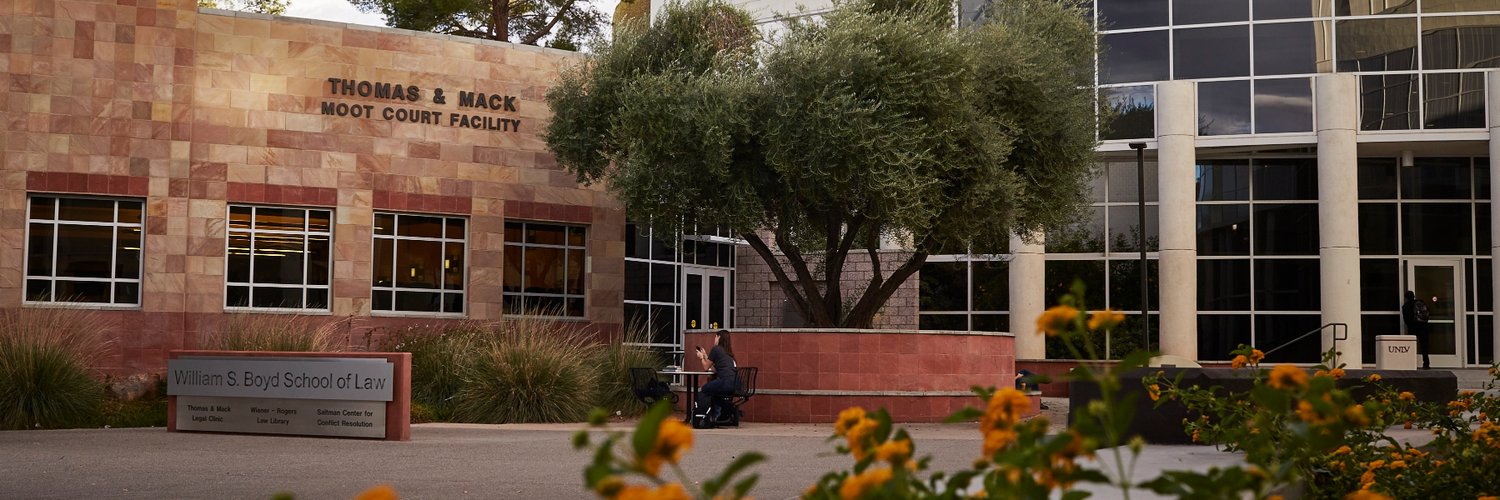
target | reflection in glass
x=1283, y=106
x=416, y=264
x=512, y=277
x=1286, y=285
x=1224, y=229
x=1436, y=229
x=1218, y=334
x=43, y=207
x=276, y=297
x=544, y=270
x=1060, y=275
x=1453, y=100
x=1286, y=229
x=1286, y=179
x=1377, y=178
x=453, y=266
x=1223, y=180
x=944, y=286
x=1388, y=102
x=1134, y=57
x=1224, y=107
x=1377, y=229
x=1212, y=52
x=317, y=259
x=1436, y=179
x=1287, y=48
x=1272, y=331
x=1459, y=42
x=1084, y=236
x=1377, y=44
x=127, y=293
x=1289, y=9
x=991, y=286
x=1482, y=178
x=419, y=301
x=1125, y=229
x=280, y=219
x=278, y=259
x=85, y=251
x=1373, y=7
x=1125, y=284
x=1380, y=285
x=385, y=224
x=663, y=283
x=86, y=209
x=1123, y=14
x=1123, y=182
x=1224, y=285
x=39, y=250
x=1134, y=110
x=544, y=234
x=1208, y=11
x=82, y=291
x=383, y=270
x=128, y=252
x=419, y=226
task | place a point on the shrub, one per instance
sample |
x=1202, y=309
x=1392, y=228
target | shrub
x=275, y=332
x=614, y=361
x=437, y=351
x=45, y=355
x=532, y=370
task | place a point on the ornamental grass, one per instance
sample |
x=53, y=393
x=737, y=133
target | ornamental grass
x=276, y=332
x=530, y=369
x=46, y=355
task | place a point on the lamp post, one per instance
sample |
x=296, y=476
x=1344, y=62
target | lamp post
x=1140, y=199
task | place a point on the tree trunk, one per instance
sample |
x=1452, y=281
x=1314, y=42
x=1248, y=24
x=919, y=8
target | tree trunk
x=500, y=20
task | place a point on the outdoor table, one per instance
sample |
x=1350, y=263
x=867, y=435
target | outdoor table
x=692, y=389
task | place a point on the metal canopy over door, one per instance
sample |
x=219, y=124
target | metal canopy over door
x=1440, y=283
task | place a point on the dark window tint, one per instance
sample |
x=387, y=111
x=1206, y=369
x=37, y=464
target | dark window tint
x=1377, y=229
x=1283, y=106
x=1377, y=44
x=1273, y=331
x=1483, y=281
x=86, y=209
x=1436, y=179
x=1224, y=229
x=1125, y=284
x=1388, y=102
x=1286, y=179
x=1482, y=178
x=951, y=322
x=1134, y=110
x=1209, y=11
x=419, y=226
x=1223, y=180
x=1369, y=8
x=280, y=219
x=944, y=286
x=637, y=280
x=1286, y=285
x=991, y=286
x=1060, y=275
x=1212, y=52
x=1453, y=100
x=1224, y=108
x=663, y=283
x=1459, y=42
x=1288, y=9
x=1436, y=228
x=81, y=291
x=39, y=250
x=1380, y=284
x=1377, y=178
x=991, y=323
x=1284, y=49
x=1378, y=324
x=1122, y=14
x=1481, y=227
x=1218, y=334
x=85, y=251
x=1134, y=57
x=1224, y=285
x=1125, y=230
x=1286, y=229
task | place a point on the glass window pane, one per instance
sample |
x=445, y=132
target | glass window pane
x=385, y=224
x=278, y=259
x=319, y=220
x=1218, y=334
x=1377, y=229
x=1388, y=102
x=1483, y=282
x=1060, y=275
x=1212, y=52
x=127, y=293
x=513, y=262
x=86, y=209
x=1370, y=8
x=1286, y=179
x=238, y=267
x=82, y=291
x=1273, y=331
x=262, y=296
x=990, y=323
x=419, y=301
x=39, y=250
x=317, y=259
x=39, y=290
x=1134, y=57
x=512, y=304
x=1125, y=284
x=1223, y=180
x=1224, y=108
x=1123, y=182
x=1289, y=9
x=545, y=234
x=1134, y=112
x=664, y=325
x=575, y=236
x=1454, y=100
x=1481, y=178
x=1457, y=42
x=1436, y=179
x=513, y=232
x=991, y=286
x=419, y=226
x=1286, y=285
x=43, y=207
x=1283, y=106
x=947, y=322
x=453, y=266
x=383, y=267
x=1085, y=236
x=280, y=219
x=1481, y=228
x=1224, y=230
x=382, y=300
x=1378, y=324
x=664, y=283
x=1122, y=14
x=1449, y=6
x=1125, y=229
x=128, y=253
x=1436, y=228
x=1287, y=48
x=419, y=264
x=453, y=303
x=1377, y=44
x=1209, y=11
x=1290, y=229
x=574, y=308
x=455, y=229
x=317, y=298
x=1377, y=178
x=637, y=241
x=944, y=287
x=130, y=212
x=637, y=280
x=575, y=272
x=85, y=252
x=239, y=217
x=1380, y=285
x=1224, y=285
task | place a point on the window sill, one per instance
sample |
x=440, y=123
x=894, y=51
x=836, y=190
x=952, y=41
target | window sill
x=279, y=310
x=417, y=314
x=81, y=305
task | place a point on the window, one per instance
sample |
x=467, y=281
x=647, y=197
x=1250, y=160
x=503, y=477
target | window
x=83, y=250
x=544, y=269
x=278, y=258
x=419, y=264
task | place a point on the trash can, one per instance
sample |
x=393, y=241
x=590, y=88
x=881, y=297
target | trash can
x=1396, y=352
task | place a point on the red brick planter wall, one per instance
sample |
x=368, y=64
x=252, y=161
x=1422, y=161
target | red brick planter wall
x=809, y=375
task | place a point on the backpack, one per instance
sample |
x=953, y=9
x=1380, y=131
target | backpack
x=1419, y=311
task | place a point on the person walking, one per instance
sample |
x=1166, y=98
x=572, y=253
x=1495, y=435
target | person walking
x=1415, y=314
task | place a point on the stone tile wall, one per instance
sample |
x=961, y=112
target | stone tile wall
x=760, y=302
x=194, y=109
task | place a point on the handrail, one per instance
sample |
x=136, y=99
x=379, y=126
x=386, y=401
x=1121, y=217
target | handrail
x=1338, y=328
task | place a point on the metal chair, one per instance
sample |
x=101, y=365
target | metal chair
x=742, y=394
x=648, y=388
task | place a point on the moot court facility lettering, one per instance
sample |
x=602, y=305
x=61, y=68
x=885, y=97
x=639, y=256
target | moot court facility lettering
x=468, y=102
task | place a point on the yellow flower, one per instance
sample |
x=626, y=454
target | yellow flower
x=1365, y=495
x=997, y=440
x=1343, y=450
x=1336, y=373
x=895, y=451
x=1256, y=356
x=1408, y=396
x=1105, y=320
x=379, y=492
x=847, y=419
x=858, y=486
x=673, y=439
x=1288, y=377
x=1239, y=362
x=859, y=437
x=610, y=487
x=1055, y=320
x=1356, y=415
x=1374, y=377
x=1488, y=497
x=1154, y=391
x=669, y=491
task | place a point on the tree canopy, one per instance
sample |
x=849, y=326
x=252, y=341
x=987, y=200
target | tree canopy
x=563, y=24
x=882, y=118
x=272, y=7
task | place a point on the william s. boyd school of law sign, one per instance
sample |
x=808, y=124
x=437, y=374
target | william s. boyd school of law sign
x=319, y=396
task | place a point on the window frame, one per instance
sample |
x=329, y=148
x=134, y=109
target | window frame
x=229, y=230
x=53, y=278
x=522, y=295
x=444, y=240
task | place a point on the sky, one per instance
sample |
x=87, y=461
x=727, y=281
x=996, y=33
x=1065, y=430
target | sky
x=344, y=12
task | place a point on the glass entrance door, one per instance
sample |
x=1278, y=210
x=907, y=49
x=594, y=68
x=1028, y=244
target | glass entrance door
x=1440, y=284
x=705, y=298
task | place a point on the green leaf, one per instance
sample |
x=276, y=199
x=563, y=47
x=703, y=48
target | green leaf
x=968, y=413
x=650, y=424
x=743, y=487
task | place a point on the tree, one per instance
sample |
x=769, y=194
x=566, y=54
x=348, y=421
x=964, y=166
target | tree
x=567, y=22
x=881, y=118
x=272, y=7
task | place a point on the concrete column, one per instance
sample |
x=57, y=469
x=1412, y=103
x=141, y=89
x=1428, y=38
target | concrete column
x=1028, y=296
x=1492, y=101
x=1176, y=161
x=1338, y=210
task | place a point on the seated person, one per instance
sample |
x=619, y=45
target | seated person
x=724, y=381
